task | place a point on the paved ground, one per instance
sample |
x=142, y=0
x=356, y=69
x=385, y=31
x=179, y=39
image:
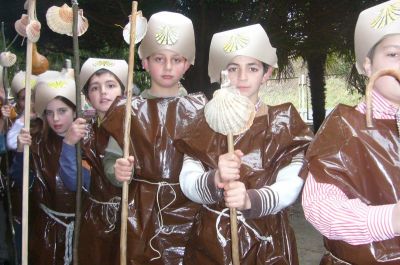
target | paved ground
x=309, y=240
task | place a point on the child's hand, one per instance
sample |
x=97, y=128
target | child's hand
x=235, y=195
x=228, y=168
x=24, y=138
x=6, y=111
x=76, y=132
x=123, y=168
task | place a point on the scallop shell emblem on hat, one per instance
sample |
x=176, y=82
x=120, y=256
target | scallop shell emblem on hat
x=7, y=59
x=103, y=63
x=167, y=35
x=20, y=25
x=236, y=42
x=60, y=19
x=387, y=15
x=57, y=84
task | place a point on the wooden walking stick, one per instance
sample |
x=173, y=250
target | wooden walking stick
x=78, y=202
x=127, y=128
x=27, y=113
x=230, y=113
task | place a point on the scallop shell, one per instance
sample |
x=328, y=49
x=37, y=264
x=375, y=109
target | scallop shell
x=20, y=25
x=7, y=59
x=60, y=19
x=228, y=111
x=33, y=30
x=141, y=28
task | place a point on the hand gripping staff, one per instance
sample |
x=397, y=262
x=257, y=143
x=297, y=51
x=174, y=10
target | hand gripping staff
x=230, y=113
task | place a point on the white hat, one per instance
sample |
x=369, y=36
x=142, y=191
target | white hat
x=249, y=41
x=50, y=85
x=118, y=67
x=18, y=82
x=169, y=31
x=372, y=25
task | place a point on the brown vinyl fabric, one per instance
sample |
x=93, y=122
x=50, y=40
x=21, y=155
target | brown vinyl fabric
x=364, y=164
x=99, y=234
x=159, y=215
x=269, y=145
x=47, y=235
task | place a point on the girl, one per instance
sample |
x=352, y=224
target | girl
x=52, y=204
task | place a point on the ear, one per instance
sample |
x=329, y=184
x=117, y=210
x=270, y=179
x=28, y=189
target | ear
x=145, y=64
x=267, y=74
x=367, y=66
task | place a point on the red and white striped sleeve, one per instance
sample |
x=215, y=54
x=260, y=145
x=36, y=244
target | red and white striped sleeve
x=337, y=217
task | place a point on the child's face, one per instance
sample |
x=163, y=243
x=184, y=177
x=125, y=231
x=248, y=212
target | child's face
x=102, y=90
x=166, y=68
x=59, y=116
x=247, y=74
x=21, y=99
x=386, y=55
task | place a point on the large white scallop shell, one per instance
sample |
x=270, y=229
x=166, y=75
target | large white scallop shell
x=33, y=30
x=7, y=59
x=60, y=20
x=20, y=25
x=141, y=28
x=228, y=111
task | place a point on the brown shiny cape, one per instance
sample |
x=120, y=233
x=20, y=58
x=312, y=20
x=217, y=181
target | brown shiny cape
x=46, y=236
x=154, y=125
x=364, y=164
x=99, y=234
x=270, y=143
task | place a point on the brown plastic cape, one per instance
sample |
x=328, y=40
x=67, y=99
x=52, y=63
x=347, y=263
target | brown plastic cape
x=364, y=164
x=46, y=235
x=270, y=143
x=99, y=234
x=154, y=125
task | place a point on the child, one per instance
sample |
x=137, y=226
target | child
x=15, y=112
x=260, y=179
x=160, y=216
x=352, y=188
x=102, y=80
x=52, y=205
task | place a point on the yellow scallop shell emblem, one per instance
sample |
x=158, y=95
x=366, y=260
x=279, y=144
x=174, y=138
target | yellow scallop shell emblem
x=387, y=15
x=32, y=82
x=236, y=42
x=103, y=63
x=57, y=84
x=167, y=35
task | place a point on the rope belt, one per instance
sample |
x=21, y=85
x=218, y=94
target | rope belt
x=109, y=209
x=336, y=258
x=69, y=230
x=161, y=228
x=240, y=218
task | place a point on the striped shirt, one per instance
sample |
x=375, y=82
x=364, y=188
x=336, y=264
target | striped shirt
x=336, y=216
x=199, y=186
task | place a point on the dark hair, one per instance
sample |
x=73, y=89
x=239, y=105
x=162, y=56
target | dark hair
x=265, y=67
x=85, y=89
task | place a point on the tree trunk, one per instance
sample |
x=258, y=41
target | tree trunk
x=316, y=71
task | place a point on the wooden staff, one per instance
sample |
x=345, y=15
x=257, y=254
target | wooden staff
x=78, y=202
x=233, y=215
x=27, y=113
x=127, y=128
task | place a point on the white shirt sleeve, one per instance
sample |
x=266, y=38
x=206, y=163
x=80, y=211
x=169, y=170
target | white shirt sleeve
x=12, y=134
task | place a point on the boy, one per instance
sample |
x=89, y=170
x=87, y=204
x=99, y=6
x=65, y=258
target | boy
x=160, y=216
x=260, y=179
x=351, y=193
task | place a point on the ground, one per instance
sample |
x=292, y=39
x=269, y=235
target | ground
x=309, y=241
